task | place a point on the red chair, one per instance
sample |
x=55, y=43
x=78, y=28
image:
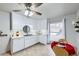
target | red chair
x=69, y=48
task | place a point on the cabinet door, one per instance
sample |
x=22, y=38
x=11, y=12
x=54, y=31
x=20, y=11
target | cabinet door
x=33, y=40
x=0, y=45
x=5, y=44
x=27, y=42
x=30, y=40
x=43, y=39
x=18, y=44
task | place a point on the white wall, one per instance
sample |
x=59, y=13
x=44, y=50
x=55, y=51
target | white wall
x=40, y=24
x=77, y=34
x=70, y=32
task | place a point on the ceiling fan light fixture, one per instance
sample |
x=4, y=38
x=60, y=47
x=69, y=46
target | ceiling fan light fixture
x=31, y=13
x=28, y=13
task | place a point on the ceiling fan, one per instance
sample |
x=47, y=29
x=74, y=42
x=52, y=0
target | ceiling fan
x=29, y=10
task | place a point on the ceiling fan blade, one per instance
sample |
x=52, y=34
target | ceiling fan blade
x=38, y=13
x=16, y=10
x=28, y=4
x=37, y=4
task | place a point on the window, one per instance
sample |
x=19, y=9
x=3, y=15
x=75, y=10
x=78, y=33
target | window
x=55, y=28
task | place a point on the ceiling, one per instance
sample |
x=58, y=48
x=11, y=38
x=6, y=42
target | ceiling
x=48, y=10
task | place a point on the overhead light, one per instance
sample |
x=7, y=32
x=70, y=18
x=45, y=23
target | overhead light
x=31, y=13
x=28, y=13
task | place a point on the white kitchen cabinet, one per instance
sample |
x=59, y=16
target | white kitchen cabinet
x=0, y=45
x=27, y=42
x=42, y=39
x=30, y=40
x=4, y=44
x=20, y=43
x=17, y=44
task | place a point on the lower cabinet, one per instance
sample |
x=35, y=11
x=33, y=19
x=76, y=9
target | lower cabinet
x=42, y=39
x=21, y=43
x=4, y=44
x=0, y=45
x=17, y=44
x=30, y=40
